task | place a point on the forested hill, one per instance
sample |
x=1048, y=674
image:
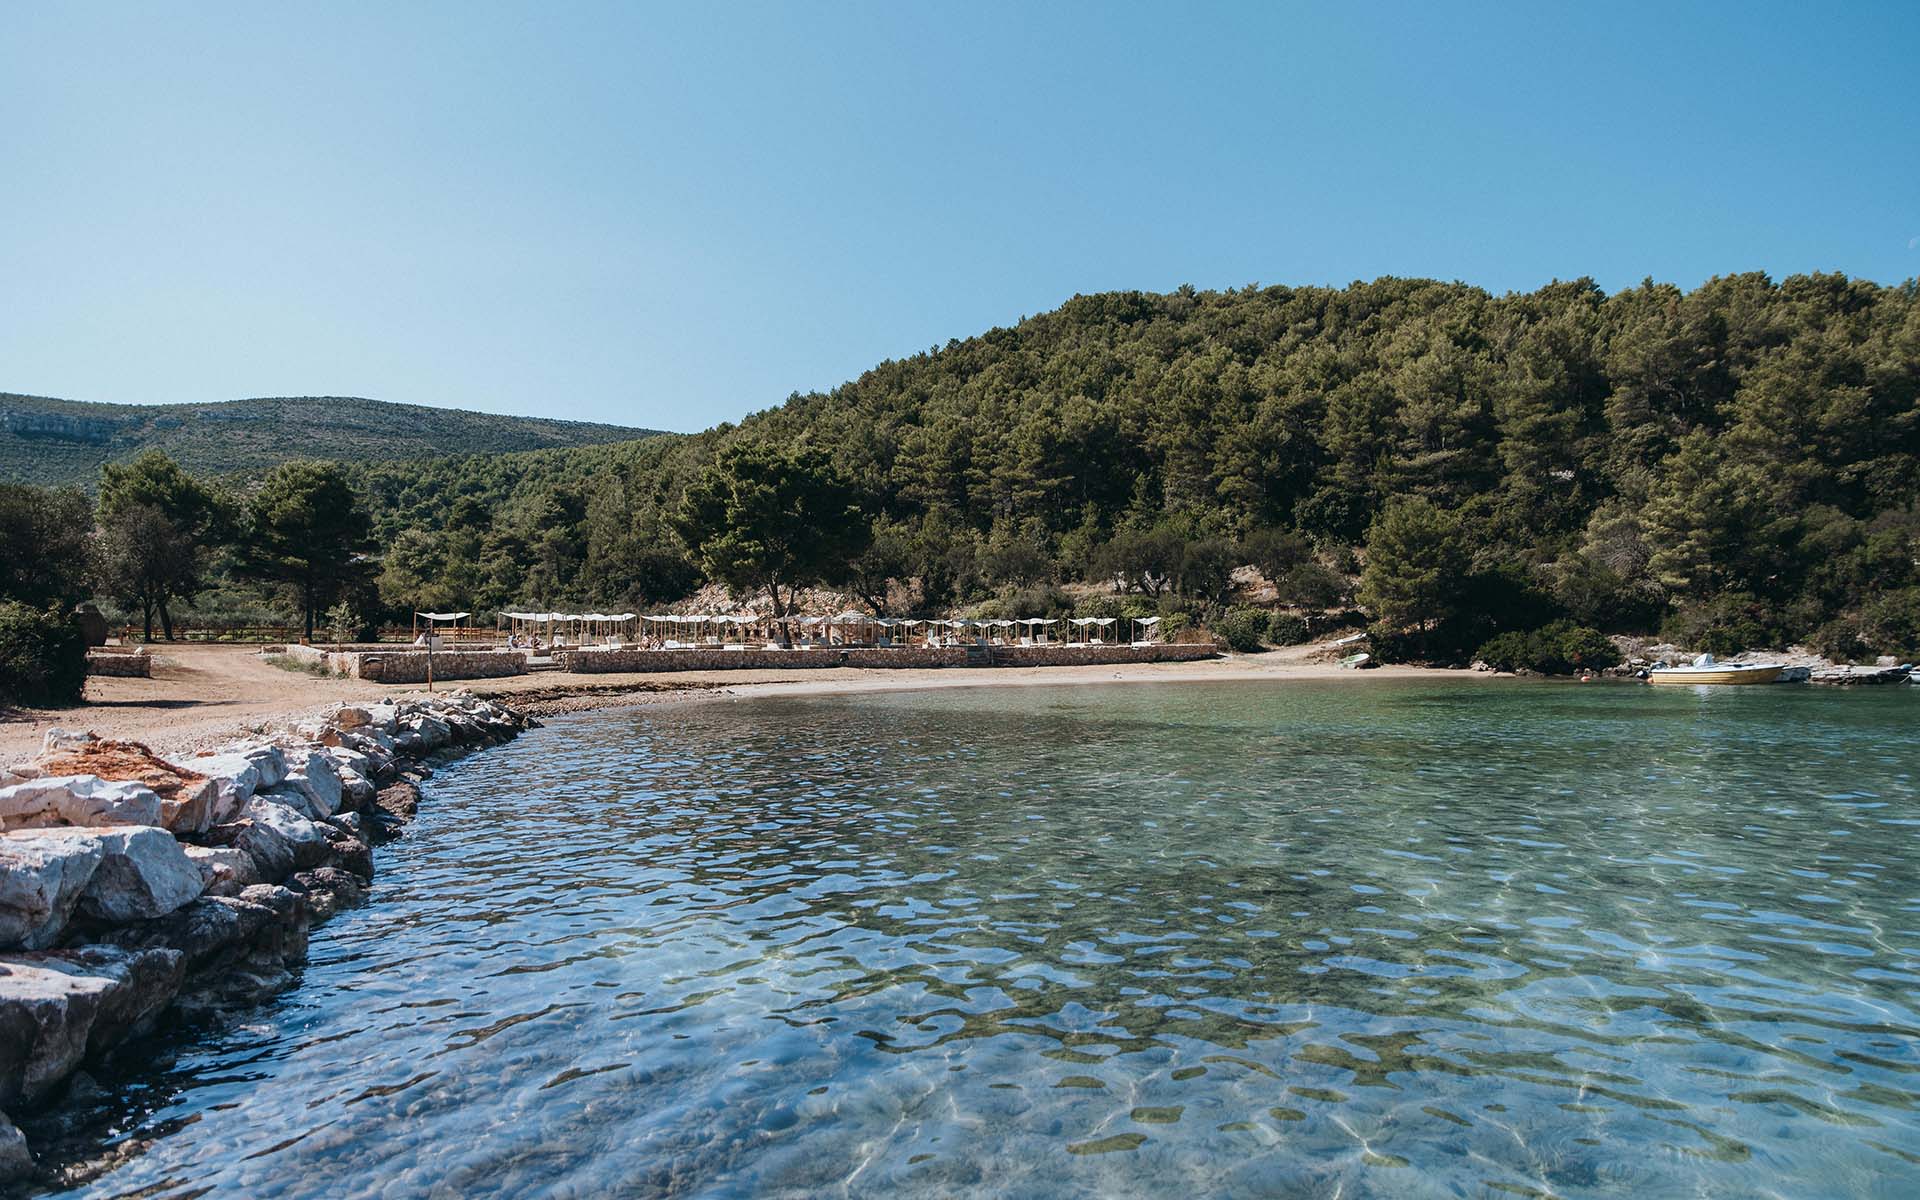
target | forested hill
x=1748, y=451
x=48, y=441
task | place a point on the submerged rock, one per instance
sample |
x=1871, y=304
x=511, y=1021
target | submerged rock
x=329, y=890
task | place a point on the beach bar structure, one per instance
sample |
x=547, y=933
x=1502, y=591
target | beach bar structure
x=434, y=621
x=567, y=629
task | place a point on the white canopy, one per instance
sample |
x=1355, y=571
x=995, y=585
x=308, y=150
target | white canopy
x=442, y=616
x=1037, y=621
x=1146, y=620
x=1094, y=620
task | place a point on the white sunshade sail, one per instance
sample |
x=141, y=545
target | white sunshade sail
x=1147, y=620
x=442, y=616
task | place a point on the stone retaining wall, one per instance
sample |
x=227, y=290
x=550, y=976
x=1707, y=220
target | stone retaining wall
x=636, y=661
x=403, y=664
x=410, y=666
x=137, y=665
x=601, y=661
x=1069, y=656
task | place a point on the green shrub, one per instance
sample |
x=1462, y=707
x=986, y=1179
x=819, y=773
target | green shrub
x=1839, y=640
x=1174, y=623
x=1726, y=625
x=1285, y=629
x=1043, y=600
x=1100, y=606
x=1890, y=623
x=1242, y=629
x=43, y=656
x=1559, y=648
x=1311, y=585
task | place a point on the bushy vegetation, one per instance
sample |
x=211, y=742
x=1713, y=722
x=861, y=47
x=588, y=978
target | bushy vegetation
x=1286, y=629
x=1560, y=648
x=66, y=442
x=1244, y=630
x=43, y=657
x=1735, y=465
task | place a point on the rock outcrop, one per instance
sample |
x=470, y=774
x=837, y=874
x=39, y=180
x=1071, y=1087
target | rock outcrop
x=132, y=887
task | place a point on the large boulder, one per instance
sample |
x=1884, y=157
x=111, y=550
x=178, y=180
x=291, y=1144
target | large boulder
x=313, y=775
x=236, y=777
x=270, y=853
x=58, y=1007
x=187, y=798
x=16, y=1161
x=402, y=800
x=227, y=870
x=143, y=873
x=306, y=840
x=83, y=800
x=329, y=890
x=433, y=733
x=348, y=716
x=42, y=874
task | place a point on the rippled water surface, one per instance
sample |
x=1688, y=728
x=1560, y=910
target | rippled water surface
x=1433, y=939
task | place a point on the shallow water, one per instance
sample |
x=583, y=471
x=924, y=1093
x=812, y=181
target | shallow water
x=1427, y=939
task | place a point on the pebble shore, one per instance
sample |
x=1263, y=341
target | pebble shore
x=135, y=891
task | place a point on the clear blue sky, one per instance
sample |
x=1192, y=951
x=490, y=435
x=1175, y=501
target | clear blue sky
x=670, y=216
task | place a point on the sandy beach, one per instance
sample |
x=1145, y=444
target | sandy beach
x=204, y=695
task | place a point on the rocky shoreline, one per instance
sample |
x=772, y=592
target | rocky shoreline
x=135, y=891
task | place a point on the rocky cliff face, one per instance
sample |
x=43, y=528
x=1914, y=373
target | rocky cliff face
x=55, y=427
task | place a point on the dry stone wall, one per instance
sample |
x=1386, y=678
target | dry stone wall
x=409, y=666
x=405, y=665
x=603, y=661
x=636, y=661
x=137, y=665
x=1099, y=656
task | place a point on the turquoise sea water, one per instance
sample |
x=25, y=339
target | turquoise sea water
x=1356, y=939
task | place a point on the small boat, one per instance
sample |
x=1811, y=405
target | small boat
x=1705, y=670
x=1354, y=662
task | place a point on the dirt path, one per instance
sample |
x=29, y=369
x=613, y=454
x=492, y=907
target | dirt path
x=202, y=695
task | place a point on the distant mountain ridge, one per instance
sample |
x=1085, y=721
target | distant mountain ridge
x=50, y=441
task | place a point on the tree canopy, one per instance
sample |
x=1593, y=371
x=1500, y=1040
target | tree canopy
x=772, y=519
x=307, y=527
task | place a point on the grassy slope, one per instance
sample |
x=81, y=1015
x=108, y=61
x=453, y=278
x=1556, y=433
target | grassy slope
x=245, y=436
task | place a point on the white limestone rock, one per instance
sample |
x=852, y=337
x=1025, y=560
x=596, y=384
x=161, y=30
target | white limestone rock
x=84, y=800
x=236, y=777
x=42, y=874
x=57, y=1008
x=269, y=761
x=143, y=873
x=313, y=775
x=306, y=840
x=65, y=741
x=195, y=808
x=226, y=870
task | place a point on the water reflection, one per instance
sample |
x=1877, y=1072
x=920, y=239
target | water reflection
x=1408, y=940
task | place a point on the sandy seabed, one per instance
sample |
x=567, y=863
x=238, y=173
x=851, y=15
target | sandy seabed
x=202, y=696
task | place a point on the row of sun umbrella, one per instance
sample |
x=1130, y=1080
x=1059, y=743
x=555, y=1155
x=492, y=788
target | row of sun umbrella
x=846, y=618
